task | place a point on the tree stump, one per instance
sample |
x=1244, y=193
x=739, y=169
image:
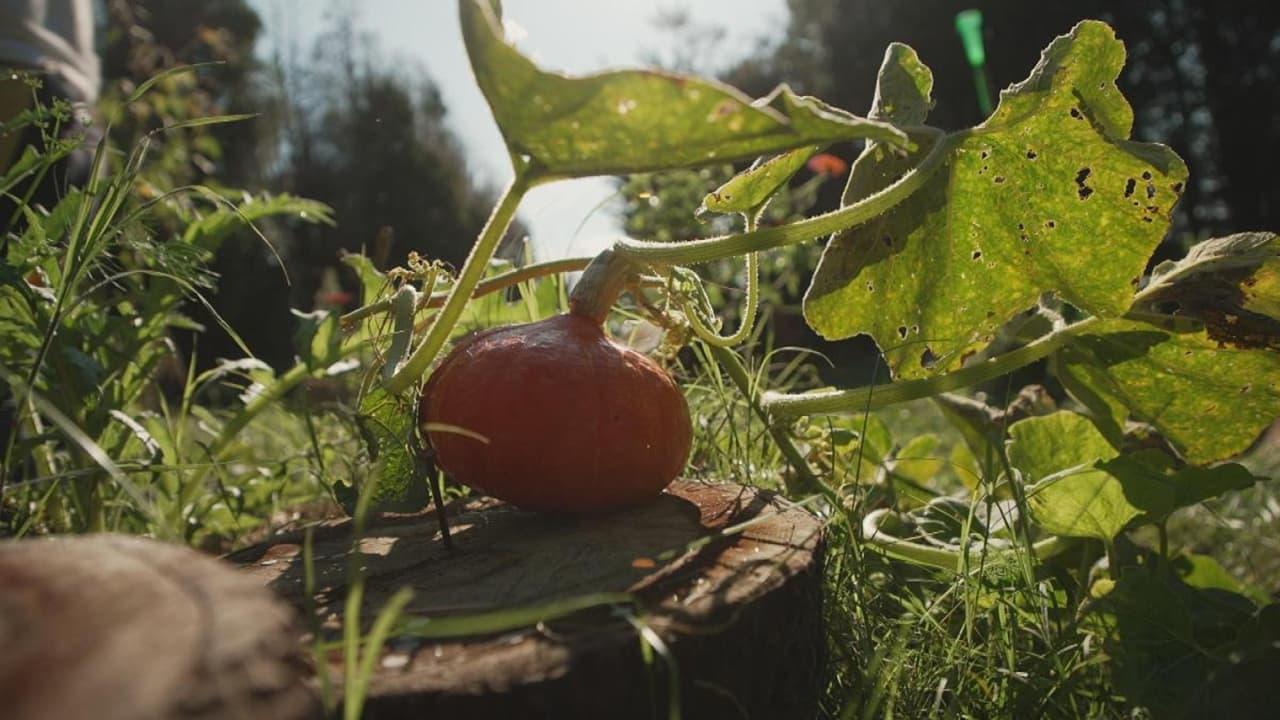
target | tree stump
x=728, y=577
x=111, y=627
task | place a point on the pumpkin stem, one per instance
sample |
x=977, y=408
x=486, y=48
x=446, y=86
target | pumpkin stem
x=600, y=285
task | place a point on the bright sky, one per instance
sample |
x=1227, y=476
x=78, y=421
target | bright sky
x=576, y=36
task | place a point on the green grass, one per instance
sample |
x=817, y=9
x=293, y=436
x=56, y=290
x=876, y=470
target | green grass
x=1004, y=639
x=1000, y=641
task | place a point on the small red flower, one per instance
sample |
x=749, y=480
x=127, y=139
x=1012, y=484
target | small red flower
x=334, y=298
x=828, y=164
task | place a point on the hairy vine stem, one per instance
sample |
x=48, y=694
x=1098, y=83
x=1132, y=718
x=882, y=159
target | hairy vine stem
x=950, y=560
x=834, y=402
x=490, y=285
x=716, y=248
x=710, y=335
x=503, y=213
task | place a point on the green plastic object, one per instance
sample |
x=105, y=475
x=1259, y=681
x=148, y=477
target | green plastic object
x=969, y=25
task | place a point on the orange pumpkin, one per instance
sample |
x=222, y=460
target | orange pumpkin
x=574, y=421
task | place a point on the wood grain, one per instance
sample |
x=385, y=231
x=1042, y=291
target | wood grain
x=730, y=578
x=118, y=628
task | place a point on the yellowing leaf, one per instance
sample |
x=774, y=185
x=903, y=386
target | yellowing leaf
x=1209, y=398
x=1047, y=195
x=638, y=121
x=1231, y=283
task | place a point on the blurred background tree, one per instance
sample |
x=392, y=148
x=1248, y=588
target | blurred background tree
x=336, y=123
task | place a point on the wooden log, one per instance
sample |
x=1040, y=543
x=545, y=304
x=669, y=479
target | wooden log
x=118, y=628
x=728, y=577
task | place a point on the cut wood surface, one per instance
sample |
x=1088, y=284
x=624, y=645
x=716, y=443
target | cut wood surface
x=111, y=627
x=728, y=577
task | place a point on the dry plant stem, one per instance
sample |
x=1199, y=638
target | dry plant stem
x=490, y=285
x=432, y=473
x=701, y=251
x=416, y=366
x=600, y=285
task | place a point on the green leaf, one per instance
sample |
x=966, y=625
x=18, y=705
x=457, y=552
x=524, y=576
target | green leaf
x=1182, y=488
x=373, y=282
x=1187, y=651
x=1262, y=293
x=179, y=70
x=87, y=370
x=210, y=230
x=904, y=87
x=1195, y=485
x=638, y=121
x=750, y=190
x=318, y=339
x=914, y=469
x=903, y=96
x=1024, y=204
x=1082, y=486
x=969, y=470
x=1046, y=445
x=918, y=460
x=26, y=163
x=210, y=120
x=1203, y=572
x=38, y=242
x=981, y=426
x=862, y=444
x=1081, y=503
x=1070, y=495
x=388, y=424
x=1210, y=399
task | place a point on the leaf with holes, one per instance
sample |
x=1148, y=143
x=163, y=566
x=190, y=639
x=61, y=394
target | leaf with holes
x=1208, y=397
x=1024, y=204
x=638, y=121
